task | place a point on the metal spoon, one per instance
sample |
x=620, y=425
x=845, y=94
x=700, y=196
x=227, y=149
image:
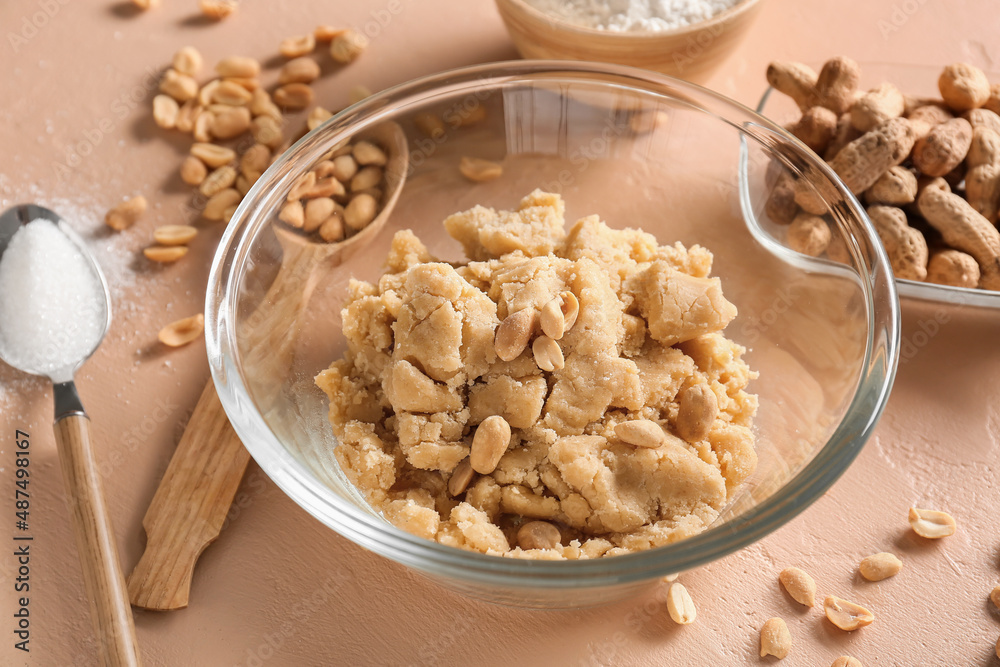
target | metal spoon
x=110, y=610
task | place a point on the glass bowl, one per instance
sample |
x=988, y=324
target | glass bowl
x=916, y=81
x=638, y=148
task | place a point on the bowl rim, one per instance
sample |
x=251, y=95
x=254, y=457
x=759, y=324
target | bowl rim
x=538, y=17
x=378, y=535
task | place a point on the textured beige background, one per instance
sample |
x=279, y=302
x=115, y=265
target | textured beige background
x=280, y=589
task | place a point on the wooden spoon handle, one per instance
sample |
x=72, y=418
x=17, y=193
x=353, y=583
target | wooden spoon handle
x=189, y=507
x=109, y=607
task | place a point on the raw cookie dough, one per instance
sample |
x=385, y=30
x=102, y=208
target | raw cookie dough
x=421, y=373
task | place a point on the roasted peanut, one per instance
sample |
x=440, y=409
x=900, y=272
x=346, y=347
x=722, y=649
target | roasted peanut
x=360, y=211
x=344, y=168
x=799, y=585
x=239, y=67
x=255, y=161
x=552, y=320
x=293, y=96
x=179, y=86
x=775, y=639
x=230, y=123
x=514, y=332
x=489, y=443
x=880, y=566
x=548, y=355
x=217, y=9
x=182, y=331
x=231, y=93
x=366, y=153
x=188, y=61
x=931, y=524
x=366, y=178
x=174, y=234
x=317, y=116
x=218, y=180
x=460, y=478
x=215, y=207
x=193, y=170
x=299, y=70
x=430, y=124
x=846, y=661
x=680, y=606
x=332, y=229
x=478, y=170
x=126, y=213
x=212, y=155
x=293, y=214
x=266, y=130
x=294, y=47
x=316, y=213
x=165, y=111
x=640, y=433
x=165, y=254
x=538, y=535
x=846, y=615
x=326, y=33
x=347, y=46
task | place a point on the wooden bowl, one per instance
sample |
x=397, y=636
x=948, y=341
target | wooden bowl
x=693, y=52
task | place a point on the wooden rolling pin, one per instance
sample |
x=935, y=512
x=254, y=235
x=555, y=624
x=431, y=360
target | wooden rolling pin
x=190, y=506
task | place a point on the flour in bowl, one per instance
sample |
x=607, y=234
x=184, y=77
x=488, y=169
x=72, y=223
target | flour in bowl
x=633, y=15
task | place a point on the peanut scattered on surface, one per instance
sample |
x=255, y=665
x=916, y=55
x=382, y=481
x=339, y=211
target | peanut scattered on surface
x=931, y=524
x=799, y=585
x=846, y=615
x=880, y=566
x=775, y=639
x=126, y=213
x=182, y=331
x=680, y=606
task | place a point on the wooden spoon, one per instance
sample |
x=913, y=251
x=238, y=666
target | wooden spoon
x=194, y=496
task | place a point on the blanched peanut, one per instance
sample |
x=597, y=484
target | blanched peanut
x=430, y=124
x=193, y=170
x=238, y=66
x=326, y=33
x=697, y=408
x=931, y=524
x=344, y=168
x=316, y=212
x=366, y=178
x=680, y=606
x=880, y=566
x=293, y=214
x=165, y=111
x=165, y=254
x=514, y=332
x=215, y=207
x=182, y=331
x=302, y=185
x=293, y=47
x=126, y=213
x=538, y=535
x=775, y=639
x=299, y=70
x=329, y=187
x=347, y=46
x=317, y=116
x=231, y=93
x=366, y=153
x=360, y=211
x=460, y=478
x=179, y=86
x=489, y=443
x=548, y=355
x=570, y=308
x=799, y=585
x=202, y=130
x=189, y=111
x=332, y=229
x=174, y=234
x=640, y=433
x=846, y=615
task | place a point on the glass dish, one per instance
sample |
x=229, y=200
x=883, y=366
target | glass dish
x=916, y=80
x=638, y=148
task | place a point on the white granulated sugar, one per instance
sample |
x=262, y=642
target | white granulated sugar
x=52, y=311
x=633, y=15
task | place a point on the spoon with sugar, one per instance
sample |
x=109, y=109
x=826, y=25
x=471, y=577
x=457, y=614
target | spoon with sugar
x=54, y=311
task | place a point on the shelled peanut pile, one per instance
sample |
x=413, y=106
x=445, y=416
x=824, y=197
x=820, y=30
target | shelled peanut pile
x=928, y=169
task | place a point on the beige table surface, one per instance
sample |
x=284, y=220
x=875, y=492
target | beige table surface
x=278, y=588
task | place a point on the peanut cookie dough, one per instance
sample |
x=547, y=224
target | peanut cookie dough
x=579, y=380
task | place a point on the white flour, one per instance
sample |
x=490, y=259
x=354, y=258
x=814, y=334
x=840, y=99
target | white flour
x=629, y=15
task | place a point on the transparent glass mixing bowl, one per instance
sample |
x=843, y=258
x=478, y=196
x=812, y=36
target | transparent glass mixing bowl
x=639, y=149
